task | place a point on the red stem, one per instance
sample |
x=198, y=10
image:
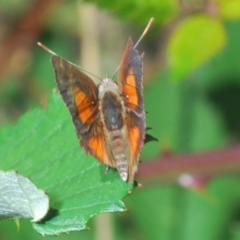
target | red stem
x=167, y=169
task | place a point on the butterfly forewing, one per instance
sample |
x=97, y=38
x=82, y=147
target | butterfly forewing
x=78, y=92
x=130, y=78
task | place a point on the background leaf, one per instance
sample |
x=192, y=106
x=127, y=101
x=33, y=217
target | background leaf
x=141, y=11
x=194, y=41
x=229, y=10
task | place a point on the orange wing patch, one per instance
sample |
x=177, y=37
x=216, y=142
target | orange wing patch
x=134, y=133
x=97, y=146
x=130, y=90
x=85, y=106
x=131, y=80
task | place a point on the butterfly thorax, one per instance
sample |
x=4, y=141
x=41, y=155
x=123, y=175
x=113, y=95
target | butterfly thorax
x=112, y=113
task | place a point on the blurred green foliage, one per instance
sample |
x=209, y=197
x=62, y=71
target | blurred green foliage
x=198, y=112
x=187, y=51
x=141, y=11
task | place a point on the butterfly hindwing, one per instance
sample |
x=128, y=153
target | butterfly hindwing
x=93, y=143
x=136, y=133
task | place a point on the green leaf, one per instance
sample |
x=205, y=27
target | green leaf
x=43, y=145
x=141, y=11
x=194, y=41
x=229, y=9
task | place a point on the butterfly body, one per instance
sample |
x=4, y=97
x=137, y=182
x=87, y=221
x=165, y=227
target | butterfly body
x=109, y=119
x=112, y=114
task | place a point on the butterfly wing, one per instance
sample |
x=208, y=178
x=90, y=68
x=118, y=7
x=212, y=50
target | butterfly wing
x=131, y=77
x=80, y=95
x=93, y=142
x=78, y=92
x=130, y=83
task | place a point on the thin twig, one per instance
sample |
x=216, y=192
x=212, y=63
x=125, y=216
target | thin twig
x=168, y=169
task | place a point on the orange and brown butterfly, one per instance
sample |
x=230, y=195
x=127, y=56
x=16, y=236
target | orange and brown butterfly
x=109, y=119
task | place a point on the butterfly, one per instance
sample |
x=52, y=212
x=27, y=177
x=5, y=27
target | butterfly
x=109, y=118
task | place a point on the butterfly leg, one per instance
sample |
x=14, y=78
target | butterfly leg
x=107, y=168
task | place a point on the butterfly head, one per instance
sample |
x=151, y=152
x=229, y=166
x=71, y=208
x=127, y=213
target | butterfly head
x=107, y=85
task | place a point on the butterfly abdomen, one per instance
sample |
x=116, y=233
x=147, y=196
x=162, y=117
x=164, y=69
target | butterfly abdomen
x=119, y=151
x=112, y=111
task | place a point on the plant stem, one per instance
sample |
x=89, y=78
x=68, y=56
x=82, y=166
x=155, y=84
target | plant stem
x=169, y=168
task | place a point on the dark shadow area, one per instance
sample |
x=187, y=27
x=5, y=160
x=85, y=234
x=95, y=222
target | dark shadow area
x=226, y=98
x=126, y=224
x=232, y=222
x=51, y=214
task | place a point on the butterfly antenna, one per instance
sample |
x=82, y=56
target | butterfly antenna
x=46, y=48
x=139, y=40
x=144, y=32
x=53, y=53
